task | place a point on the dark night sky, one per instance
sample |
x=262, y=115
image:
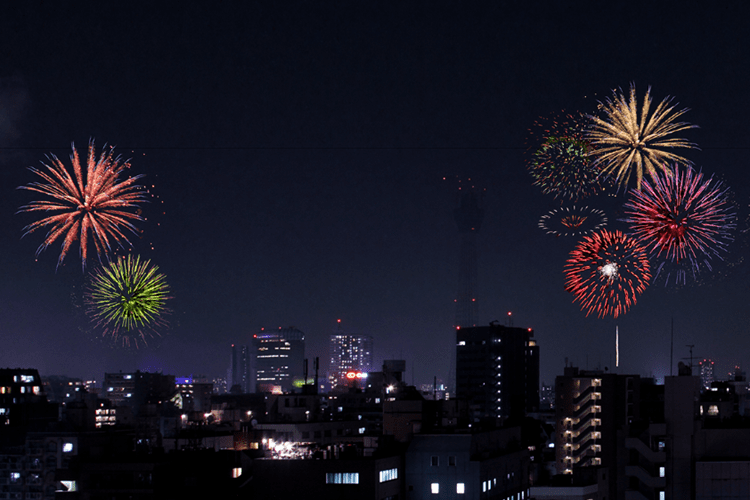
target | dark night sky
x=299, y=149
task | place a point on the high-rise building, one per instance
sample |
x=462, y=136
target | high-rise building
x=238, y=373
x=350, y=353
x=590, y=407
x=279, y=359
x=469, y=215
x=497, y=371
x=707, y=373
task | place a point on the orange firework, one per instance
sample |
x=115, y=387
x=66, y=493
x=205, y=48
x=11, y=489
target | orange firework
x=92, y=203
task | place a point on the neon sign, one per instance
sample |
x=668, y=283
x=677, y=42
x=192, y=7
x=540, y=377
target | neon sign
x=355, y=375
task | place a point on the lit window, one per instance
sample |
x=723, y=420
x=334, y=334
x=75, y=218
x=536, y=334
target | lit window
x=388, y=475
x=662, y=471
x=662, y=495
x=484, y=486
x=342, y=478
x=67, y=447
x=435, y=488
x=69, y=486
x=15, y=477
x=236, y=472
x=460, y=488
x=713, y=410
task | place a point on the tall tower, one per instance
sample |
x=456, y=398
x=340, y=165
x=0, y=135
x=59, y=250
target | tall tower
x=350, y=352
x=279, y=357
x=469, y=215
x=497, y=371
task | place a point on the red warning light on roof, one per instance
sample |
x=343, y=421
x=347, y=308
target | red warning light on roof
x=338, y=321
x=255, y=336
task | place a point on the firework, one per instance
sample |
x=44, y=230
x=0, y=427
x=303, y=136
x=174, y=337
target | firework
x=93, y=203
x=606, y=272
x=682, y=217
x=560, y=159
x=571, y=221
x=626, y=140
x=127, y=299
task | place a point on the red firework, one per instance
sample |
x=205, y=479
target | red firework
x=94, y=203
x=606, y=272
x=681, y=215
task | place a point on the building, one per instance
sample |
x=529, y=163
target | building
x=466, y=465
x=351, y=358
x=279, y=359
x=239, y=371
x=497, y=371
x=138, y=388
x=707, y=372
x=590, y=407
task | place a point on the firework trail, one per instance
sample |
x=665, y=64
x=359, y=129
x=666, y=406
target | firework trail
x=606, y=272
x=91, y=204
x=627, y=141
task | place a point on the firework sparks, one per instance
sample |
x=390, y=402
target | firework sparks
x=560, y=159
x=627, y=141
x=682, y=217
x=127, y=299
x=92, y=204
x=606, y=272
x=571, y=221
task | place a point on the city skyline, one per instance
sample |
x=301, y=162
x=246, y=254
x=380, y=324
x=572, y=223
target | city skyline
x=304, y=162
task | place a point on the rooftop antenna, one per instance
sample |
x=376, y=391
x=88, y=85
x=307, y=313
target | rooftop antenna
x=671, y=350
x=690, y=346
x=510, y=319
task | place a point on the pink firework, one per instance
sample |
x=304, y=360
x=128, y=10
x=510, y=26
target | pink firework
x=92, y=203
x=682, y=215
x=606, y=272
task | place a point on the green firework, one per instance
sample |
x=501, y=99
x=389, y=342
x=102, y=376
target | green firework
x=127, y=299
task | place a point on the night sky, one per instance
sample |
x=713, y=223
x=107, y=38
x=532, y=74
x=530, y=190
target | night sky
x=299, y=149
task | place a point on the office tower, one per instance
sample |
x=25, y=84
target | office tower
x=497, y=371
x=469, y=215
x=279, y=358
x=350, y=354
x=590, y=407
x=707, y=373
x=238, y=373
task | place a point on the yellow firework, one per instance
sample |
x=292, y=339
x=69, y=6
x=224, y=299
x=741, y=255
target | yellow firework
x=627, y=141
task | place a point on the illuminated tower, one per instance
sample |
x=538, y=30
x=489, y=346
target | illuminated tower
x=279, y=358
x=469, y=215
x=707, y=373
x=349, y=353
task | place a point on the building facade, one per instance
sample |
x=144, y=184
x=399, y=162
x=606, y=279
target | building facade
x=349, y=353
x=279, y=359
x=239, y=371
x=497, y=371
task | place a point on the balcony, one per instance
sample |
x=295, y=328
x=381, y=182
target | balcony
x=644, y=477
x=655, y=457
